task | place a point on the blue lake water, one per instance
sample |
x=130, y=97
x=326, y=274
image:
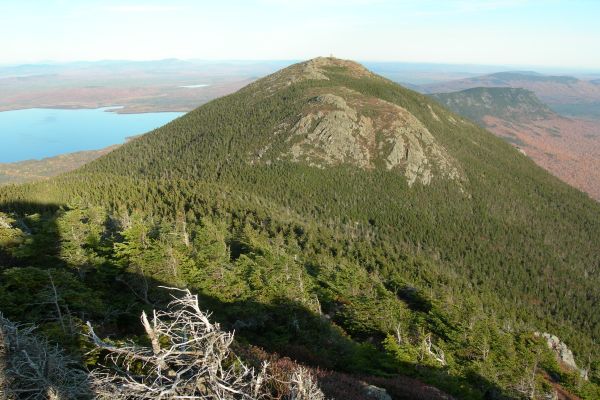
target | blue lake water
x=38, y=133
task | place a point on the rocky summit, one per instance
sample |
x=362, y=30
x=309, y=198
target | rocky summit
x=338, y=125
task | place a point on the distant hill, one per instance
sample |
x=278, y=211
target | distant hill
x=567, y=147
x=507, y=103
x=564, y=94
x=328, y=215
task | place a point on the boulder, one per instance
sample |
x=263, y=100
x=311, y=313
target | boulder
x=562, y=351
x=377, y=393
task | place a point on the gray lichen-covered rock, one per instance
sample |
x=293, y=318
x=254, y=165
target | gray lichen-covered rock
x=347, y=128
x=562, y=351
x=336, y=125
x=377, y=393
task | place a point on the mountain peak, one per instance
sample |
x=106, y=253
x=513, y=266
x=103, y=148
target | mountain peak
x=336, y=123
x=313, y=69
x=328, y=203
x=347, y=66
x=323, y=113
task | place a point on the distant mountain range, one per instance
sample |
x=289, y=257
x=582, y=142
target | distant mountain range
x=500, y=102
x=564, y=94
x=567, y=147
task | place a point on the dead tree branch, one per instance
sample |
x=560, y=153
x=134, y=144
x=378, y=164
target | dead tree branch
x=31, y=368
x=189, y=358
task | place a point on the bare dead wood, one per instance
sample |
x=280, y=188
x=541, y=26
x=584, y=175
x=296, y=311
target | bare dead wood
x=189, y=358
x=31, y=368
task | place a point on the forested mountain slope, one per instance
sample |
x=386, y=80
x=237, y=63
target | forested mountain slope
x=333, y=216
x=506, y=103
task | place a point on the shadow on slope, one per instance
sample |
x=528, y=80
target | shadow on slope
x=31, y=365
x=40, y=286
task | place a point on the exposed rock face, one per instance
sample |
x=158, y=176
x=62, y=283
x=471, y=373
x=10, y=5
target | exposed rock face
x=340, y=126
x=377, y=393
x=333, y=135
x=564, y=354
x=348, y=128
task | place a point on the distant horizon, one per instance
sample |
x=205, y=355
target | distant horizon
x=498, y=67
x=540, y=33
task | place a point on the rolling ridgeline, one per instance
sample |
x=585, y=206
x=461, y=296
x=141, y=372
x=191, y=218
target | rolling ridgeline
x=499, y=102
x=568, y=148
x=329, y=215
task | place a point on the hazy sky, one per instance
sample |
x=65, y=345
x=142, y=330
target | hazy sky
x=562, y=33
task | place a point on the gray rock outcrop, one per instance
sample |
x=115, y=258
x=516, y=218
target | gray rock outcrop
x=562, y=351
x=377, y=393
x=349, y=128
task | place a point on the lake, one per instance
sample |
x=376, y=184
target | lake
x=38, y=133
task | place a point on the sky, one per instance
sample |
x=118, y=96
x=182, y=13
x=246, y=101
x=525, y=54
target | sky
x=561, y=33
